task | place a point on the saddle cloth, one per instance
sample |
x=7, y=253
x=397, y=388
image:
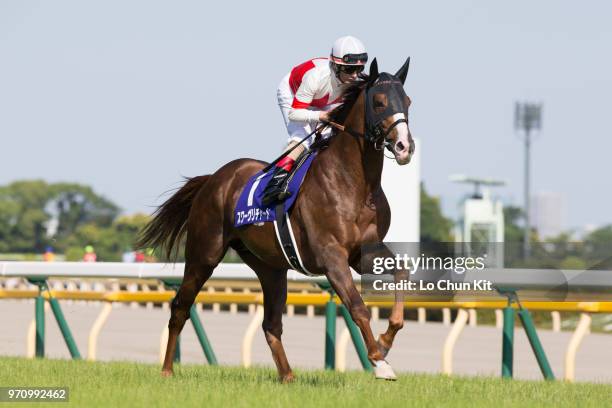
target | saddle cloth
x=249, y=209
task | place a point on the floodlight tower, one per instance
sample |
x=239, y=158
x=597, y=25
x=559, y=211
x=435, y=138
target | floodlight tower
x=527, y=118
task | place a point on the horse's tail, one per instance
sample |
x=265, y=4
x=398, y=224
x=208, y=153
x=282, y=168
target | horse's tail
x=169, y=222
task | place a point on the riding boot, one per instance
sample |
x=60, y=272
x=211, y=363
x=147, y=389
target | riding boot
x=276, y=189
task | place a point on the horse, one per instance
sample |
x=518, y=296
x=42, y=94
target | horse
x=340, y=207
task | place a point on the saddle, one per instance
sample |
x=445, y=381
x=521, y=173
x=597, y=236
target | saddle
x=298, y=163
x=250, y=209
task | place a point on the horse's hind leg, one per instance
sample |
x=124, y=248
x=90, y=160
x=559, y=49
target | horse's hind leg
x=198, y=268
x=274, y=286
x=195, y=277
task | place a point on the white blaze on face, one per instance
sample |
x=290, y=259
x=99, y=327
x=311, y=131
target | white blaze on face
x=401, y=146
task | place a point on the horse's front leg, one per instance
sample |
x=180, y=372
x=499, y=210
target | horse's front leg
x=396, y=318
x=339, y=275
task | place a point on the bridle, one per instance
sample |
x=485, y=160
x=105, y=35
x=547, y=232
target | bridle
x=377, y=136
x=375, y=133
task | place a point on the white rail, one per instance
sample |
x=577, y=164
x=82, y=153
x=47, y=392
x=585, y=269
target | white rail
x=520, y=277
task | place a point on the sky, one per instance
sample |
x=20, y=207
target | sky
x=129, y=96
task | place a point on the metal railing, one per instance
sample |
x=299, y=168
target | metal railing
x=238, y=275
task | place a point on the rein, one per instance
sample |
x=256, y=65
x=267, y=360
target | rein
x=380, y=135
x=317, y=130
x=374, y=134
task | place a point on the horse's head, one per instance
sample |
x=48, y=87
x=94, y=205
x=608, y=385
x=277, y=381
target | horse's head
x=386, y=109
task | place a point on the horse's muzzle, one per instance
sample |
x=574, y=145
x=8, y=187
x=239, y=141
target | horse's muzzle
x=402, y=152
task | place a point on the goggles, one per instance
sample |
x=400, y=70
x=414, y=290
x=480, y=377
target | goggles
x=351, y=69
x=352, y=58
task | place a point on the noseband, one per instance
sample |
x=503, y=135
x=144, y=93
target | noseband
x=377, y=135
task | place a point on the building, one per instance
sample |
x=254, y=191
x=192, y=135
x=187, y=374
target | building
x=402, y=186
x=548, y=213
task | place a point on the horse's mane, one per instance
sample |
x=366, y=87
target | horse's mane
x=349, y=97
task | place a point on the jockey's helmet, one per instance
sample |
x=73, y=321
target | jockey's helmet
x=348, y=54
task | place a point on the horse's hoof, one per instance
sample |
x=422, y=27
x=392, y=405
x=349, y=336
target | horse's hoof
x=383, y=371
x=167, y=373
x=383, y=349
x=286, y=379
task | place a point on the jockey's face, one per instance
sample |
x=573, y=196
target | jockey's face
x=349, y=73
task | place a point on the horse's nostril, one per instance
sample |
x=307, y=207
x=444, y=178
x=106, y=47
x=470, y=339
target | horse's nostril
x=399, y=147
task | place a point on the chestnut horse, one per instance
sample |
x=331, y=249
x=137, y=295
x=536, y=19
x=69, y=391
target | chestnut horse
x=340, y=206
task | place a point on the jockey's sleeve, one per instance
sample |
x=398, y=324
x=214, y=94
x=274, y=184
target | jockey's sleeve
x=303, y=98
x=303, y=115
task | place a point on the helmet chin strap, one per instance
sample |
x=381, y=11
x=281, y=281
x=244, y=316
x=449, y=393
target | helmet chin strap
x=335, y=70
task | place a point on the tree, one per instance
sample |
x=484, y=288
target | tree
x=23, y=220
x=601, y=235
x=435, y=227
x=29, y=208
x=74, y=205
x=598, y=248
x=513, y=232
x=109, y=242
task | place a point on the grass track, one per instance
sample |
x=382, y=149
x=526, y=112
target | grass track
x=140, y=385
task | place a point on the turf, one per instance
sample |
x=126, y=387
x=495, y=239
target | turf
x=140, y=385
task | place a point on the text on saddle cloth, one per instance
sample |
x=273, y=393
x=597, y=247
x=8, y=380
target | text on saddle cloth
x=250, y=210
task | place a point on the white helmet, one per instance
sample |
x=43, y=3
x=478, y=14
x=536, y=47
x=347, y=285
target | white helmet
x=348, y=50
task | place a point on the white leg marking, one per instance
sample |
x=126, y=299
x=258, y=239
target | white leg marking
x=383, y=370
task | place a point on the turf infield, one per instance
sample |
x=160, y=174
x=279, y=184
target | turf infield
x=140, y=385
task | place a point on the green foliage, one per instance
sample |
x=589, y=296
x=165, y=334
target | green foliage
x=598, y=247
x=513, y=232
x=600, y=236
x=572, y=262
x=435, y=227
x=109, y=242
x=560, y=252
x=28, y=210
x=22, y=216
x=75, y=205
x=74, y=254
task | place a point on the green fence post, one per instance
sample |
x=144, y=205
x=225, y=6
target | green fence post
x=357, y=340
x=534, y=340
x=508, y=341
x=330, y=332
x=63, y=325
x=40, y=325
x=204, y=342
x=177, y=351
x=39, y=314
x=174, y=284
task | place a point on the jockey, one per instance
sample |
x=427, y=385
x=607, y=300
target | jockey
x=306, y=95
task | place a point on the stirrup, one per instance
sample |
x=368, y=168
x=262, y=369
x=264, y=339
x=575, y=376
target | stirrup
x=276, y=190
x=276, y=195
x=283, y=195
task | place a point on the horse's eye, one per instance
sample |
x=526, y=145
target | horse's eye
x=379, y=104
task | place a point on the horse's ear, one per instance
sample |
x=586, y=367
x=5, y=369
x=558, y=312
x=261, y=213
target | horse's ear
x=403, y=71
x=373, y=70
